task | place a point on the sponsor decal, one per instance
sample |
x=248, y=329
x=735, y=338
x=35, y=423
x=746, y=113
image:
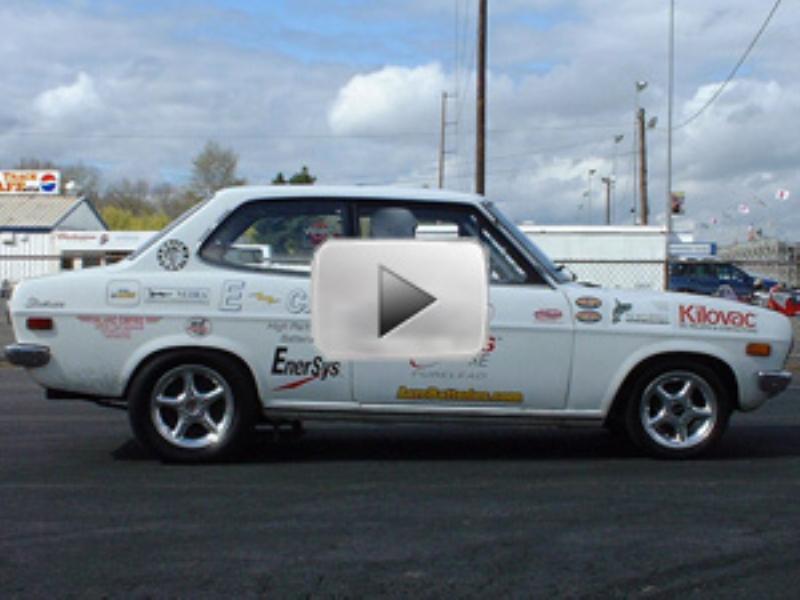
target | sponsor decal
x=647, y=318
x=548, y=315
x=475, y=369
x=173, y=255
x=265, y=298
x=298, y=302
x=232, y=295
x=123, y=293
x=589, y=302
x=34, y=302
x=292, y=331
x=198, y=327
x=172, y=295
x=317, y=232
x=118, y=326
x=620, y=308
x=458, y=395
x=311, y=369
x=588, y=316
x=697, y=316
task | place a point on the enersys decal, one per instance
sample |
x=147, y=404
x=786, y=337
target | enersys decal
x=457, y=395
x=697, y=316
x=123, y=293
x=548, y=315
x=588, y=302
x=588, y=316
x=177, y=295
x=173, y=255
x=311, y=369
x=232, y=295
x=198, y=326
x=118, y=326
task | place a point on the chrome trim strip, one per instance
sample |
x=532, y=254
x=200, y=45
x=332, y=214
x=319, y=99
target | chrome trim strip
x=438, y=414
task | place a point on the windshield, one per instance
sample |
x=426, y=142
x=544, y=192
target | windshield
x=160, y=235
x=536, y=255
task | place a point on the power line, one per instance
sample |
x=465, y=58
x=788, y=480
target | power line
x=280, y=135
x=735, y=69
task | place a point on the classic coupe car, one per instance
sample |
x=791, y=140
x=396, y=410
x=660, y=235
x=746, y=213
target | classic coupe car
x=204, y=333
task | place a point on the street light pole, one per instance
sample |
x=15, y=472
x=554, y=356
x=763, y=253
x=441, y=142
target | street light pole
x=480, y=142
x=639, y=86
x=617, y=139
x=670, y=100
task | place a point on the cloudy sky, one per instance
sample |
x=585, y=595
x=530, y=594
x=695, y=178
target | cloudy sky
x=352, y=89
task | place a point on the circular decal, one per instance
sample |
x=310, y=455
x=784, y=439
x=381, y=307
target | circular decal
x=198, y=327
x=173, y=255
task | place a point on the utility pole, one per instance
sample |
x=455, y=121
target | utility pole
x=670, y=101
x=644, y=209
x=480, y=142
x=442, y=140
x=609, y=182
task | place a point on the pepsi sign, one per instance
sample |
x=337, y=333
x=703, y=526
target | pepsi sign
x=30, y=182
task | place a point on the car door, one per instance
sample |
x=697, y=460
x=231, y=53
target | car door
x=265, y=248
x=526, y=361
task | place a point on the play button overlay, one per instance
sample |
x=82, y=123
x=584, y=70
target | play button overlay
x=399, y=300
x=390, y=299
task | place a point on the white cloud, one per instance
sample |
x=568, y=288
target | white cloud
x=63, y=101
x=391, y=99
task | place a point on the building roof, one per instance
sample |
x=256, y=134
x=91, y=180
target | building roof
x=32, y=212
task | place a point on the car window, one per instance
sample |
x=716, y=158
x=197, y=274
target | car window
x=724, y=273
x=425, y=222
x=274, y=235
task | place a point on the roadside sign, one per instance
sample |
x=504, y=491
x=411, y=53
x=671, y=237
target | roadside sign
x=30, y=181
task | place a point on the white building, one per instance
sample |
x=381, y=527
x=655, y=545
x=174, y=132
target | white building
x=27, y=225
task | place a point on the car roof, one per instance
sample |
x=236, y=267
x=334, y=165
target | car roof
x=235, y=195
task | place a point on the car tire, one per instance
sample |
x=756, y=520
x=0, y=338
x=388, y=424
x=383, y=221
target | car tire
x=677, y=410
x=192, y=406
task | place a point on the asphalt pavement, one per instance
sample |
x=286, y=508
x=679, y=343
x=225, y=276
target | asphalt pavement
x=395, y=511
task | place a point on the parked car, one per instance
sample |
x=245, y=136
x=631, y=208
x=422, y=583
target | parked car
x=715, y=278
x=205, y=331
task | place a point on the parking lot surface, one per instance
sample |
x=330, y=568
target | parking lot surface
x=394, y=511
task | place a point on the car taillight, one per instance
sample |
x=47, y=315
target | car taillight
x=40, y=323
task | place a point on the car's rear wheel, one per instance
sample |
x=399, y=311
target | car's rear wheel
x=677, y=410
x=192, y=406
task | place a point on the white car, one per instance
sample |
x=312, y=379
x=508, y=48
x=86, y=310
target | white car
x=205, y=332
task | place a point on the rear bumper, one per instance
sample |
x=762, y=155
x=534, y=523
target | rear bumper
x=28, y=355
x=774, y=382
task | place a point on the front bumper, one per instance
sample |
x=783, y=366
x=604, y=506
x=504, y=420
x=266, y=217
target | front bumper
x=774, y=382
x=28, y=355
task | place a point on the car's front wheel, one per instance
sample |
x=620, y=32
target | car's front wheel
x=677, y=410
x=192, y=406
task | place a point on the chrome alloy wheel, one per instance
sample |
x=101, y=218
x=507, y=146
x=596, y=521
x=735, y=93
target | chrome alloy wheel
x=192, y=407
x=679, y=410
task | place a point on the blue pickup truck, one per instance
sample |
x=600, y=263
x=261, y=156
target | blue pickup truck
x=713, y=277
